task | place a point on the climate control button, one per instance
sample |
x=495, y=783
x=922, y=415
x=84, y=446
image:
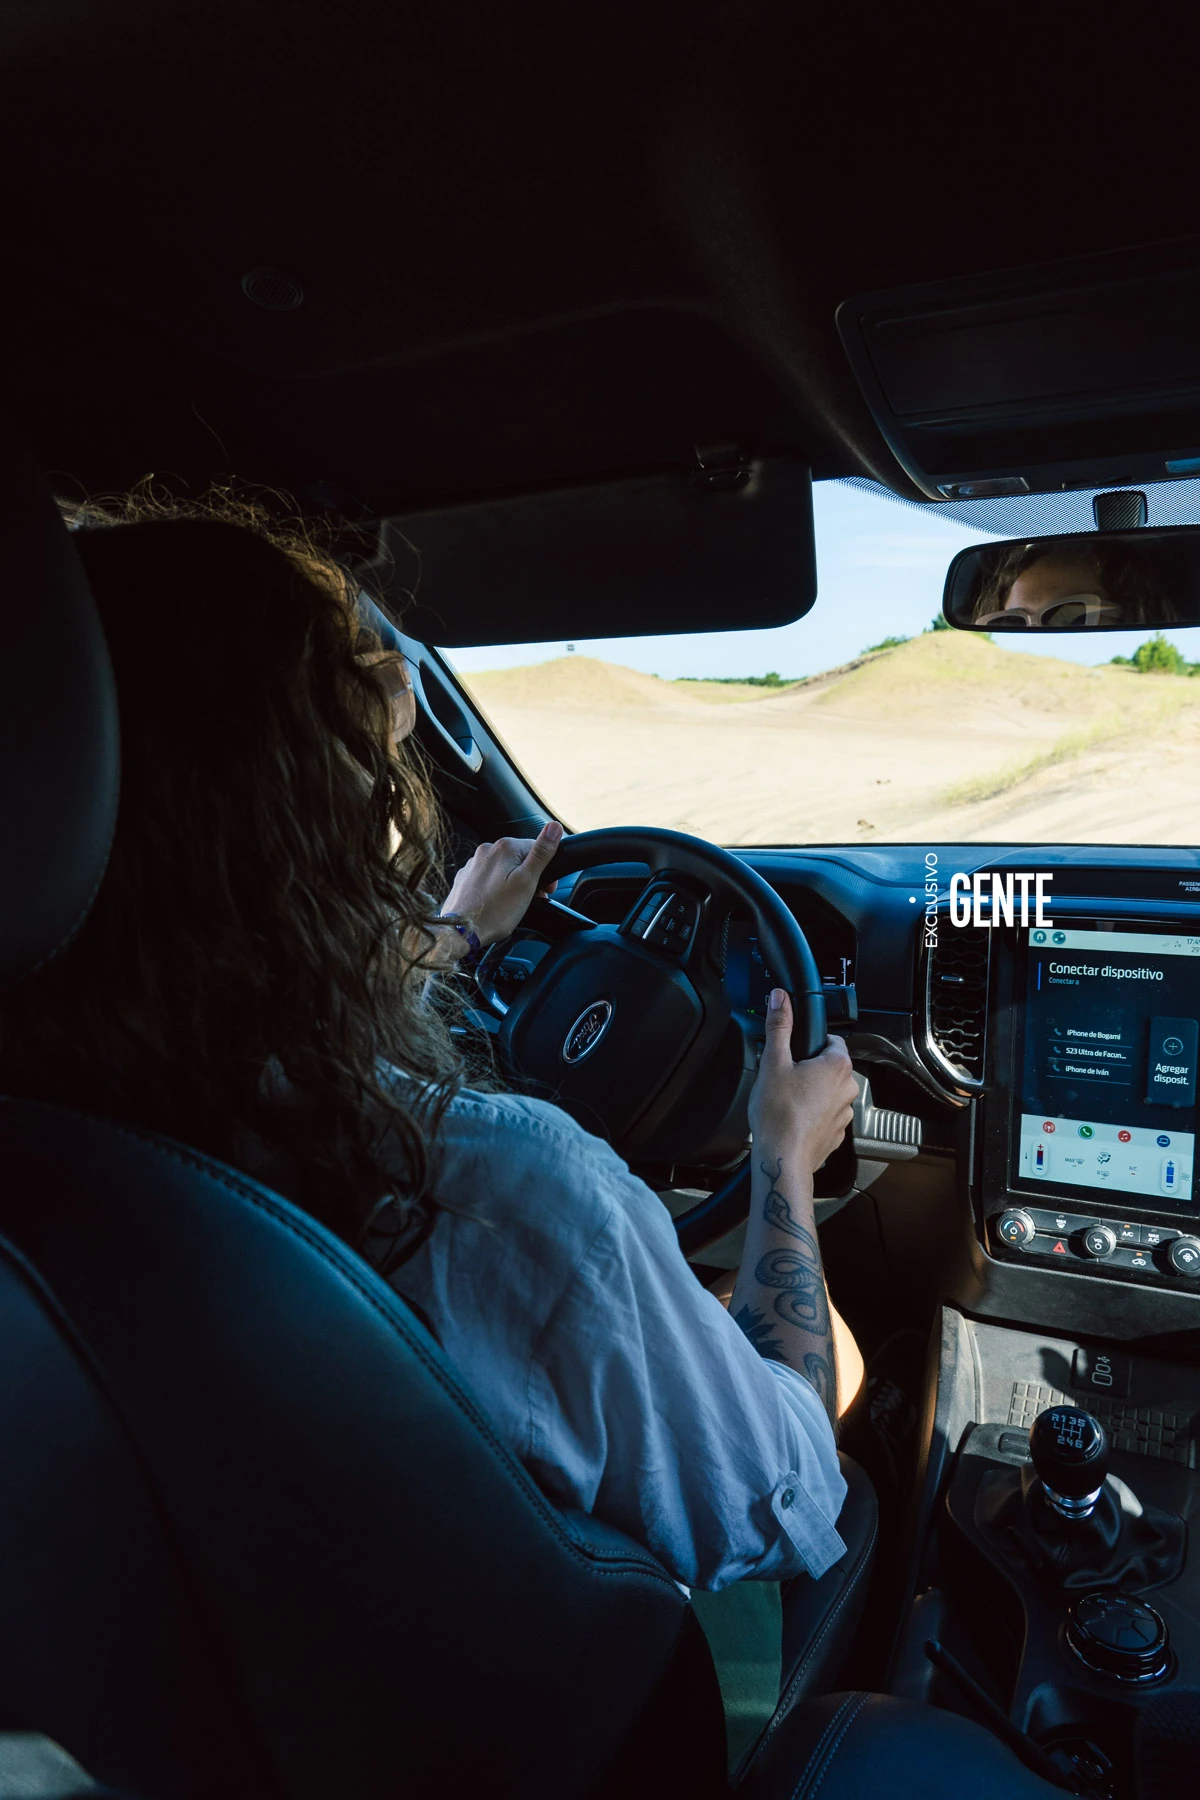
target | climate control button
x=1099, y=1240
x=1015, y=1227
x=1184, y=1255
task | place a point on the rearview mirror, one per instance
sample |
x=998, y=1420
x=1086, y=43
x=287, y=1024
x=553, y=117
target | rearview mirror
x=1091, y=581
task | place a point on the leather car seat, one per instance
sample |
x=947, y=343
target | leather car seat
x=256, y=1538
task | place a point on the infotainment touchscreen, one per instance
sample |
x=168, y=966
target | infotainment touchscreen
x=1106, y=1080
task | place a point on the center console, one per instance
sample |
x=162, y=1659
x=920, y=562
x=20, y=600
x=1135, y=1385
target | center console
x=1055, y=1573
x=1089, y=1120
x=1055, y=1588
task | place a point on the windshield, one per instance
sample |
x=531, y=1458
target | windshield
x=867, y=721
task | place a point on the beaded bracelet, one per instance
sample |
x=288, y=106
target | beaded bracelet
x=474, y=947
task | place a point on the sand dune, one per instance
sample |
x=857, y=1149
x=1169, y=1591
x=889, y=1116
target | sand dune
x=584, y=680
x=948, y=737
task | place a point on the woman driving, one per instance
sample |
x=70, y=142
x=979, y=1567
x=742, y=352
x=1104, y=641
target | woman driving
x=262, y=976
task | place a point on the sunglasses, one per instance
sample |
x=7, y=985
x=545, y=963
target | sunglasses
x=1073, y=612
x=391, y=672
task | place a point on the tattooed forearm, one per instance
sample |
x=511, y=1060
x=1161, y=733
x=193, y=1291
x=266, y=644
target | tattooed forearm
x=776, y=1210
x=819, y=1370
x=802, y=1300
x=780, y=1301
x=762, y=1334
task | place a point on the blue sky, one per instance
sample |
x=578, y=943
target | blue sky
x=880, y=569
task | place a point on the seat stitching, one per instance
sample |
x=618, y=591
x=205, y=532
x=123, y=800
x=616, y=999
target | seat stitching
x=786, y=1699
x=818, y=1749
x=834, y=1748
x=834, y=1610
x=262, y=1200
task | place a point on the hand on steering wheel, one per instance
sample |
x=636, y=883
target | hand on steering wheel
x=493, y=889
x=631, y=1028
x=801, y=1109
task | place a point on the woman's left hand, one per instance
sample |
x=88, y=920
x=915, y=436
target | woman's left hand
x=493, y=890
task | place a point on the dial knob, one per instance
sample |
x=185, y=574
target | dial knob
x=1069, y=1450
x=1015, y=1227
x=1184, y=1255
x=1099, y=1240
x=1118, y=1634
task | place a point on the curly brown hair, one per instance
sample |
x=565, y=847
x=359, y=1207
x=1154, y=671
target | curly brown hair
x=256, y=962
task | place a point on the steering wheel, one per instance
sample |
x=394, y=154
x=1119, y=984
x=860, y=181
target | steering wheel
x=630, y=1028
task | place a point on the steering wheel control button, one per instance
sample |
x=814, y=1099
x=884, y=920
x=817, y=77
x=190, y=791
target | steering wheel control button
x=1069, y=1449
x=667, y=920
x=1016, y=1228
x=1184, y=1256
x=1119, y=1635
x=1100, y=1240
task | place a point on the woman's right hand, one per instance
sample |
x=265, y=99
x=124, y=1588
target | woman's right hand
x=800, y=1108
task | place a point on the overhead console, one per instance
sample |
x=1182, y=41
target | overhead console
x=1075, y=374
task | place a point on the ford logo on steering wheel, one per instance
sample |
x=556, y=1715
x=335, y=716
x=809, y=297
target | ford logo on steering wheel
x=587, y=1031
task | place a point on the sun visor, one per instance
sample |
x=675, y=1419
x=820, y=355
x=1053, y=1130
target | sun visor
x=1075, y=374
x=726, y=546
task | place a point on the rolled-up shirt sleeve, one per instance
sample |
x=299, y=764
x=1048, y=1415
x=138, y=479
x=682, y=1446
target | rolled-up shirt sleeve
x=650, y=1408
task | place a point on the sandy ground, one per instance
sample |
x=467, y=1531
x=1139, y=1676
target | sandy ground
x=867, y=753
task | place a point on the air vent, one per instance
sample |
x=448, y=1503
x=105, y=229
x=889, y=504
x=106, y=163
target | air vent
x=956, y=1000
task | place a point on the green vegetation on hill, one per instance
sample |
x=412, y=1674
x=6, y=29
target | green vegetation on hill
x=893, y=643
x=772, y=679
x=1158, y=656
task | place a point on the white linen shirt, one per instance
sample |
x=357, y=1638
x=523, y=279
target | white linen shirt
x=554, y=1281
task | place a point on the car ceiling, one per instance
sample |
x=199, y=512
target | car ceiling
x=536, y=242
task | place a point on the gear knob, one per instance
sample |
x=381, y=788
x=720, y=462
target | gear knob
x=1069, y=1448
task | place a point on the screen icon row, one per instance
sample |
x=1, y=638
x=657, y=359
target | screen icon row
x=1102, y=1167
x=1050, y=1126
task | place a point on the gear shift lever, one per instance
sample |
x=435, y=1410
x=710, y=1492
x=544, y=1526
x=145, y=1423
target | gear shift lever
x=1071, y=1523
x=1069, y=1449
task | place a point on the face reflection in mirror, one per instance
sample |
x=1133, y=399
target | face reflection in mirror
x=1055, y=593
x=1088, y=583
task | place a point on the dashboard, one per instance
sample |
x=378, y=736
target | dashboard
x=1053, y=1070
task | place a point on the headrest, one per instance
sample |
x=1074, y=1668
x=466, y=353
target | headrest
x=59, y=752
